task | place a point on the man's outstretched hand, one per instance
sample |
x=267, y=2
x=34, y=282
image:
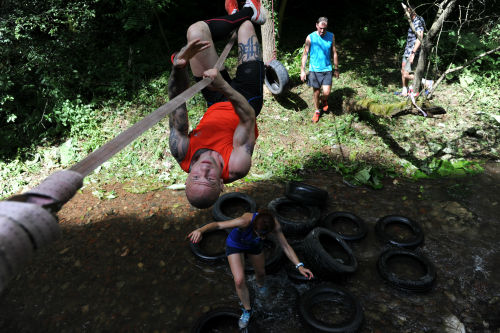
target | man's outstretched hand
x=189, y=51
x=217, y=81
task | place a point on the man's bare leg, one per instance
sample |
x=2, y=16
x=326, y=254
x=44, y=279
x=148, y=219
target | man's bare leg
x=207, y=58
x=248, y=45
x=316, y=93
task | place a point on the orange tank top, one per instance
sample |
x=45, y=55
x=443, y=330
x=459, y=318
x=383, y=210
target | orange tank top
x=215, y=132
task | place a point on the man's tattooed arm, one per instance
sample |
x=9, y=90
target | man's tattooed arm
x=249, y=149
x=178, y=119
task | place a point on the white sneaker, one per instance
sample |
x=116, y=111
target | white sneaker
x=259, y=17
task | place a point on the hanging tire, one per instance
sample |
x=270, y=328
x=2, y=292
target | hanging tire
x=276, y=77
x=224, y=316
x=413, y=243
x=275, y=261
x=322, y=262
x=294, y=227
x=329, y=293
x=424, y=283
x=293, y=273
x=306, y=194
x=228, y=199
x=205, y=257
x=331, y=218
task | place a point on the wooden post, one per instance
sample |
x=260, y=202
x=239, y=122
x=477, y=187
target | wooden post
x=267, y=38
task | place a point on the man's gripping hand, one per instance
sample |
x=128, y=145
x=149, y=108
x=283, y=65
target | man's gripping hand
x=217, y=81
x=189, y=51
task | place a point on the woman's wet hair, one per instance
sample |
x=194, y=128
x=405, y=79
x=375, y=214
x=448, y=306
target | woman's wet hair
x=264, y=221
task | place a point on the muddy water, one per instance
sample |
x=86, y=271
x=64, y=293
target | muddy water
x=132, y=270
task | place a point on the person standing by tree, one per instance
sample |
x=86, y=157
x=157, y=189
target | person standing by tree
x=320, y=45
x=412, y=52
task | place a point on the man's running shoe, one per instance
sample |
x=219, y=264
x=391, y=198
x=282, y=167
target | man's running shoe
x=231, y=6
x=325, y=105
x=315, y=117
x=259, y=17
x=245, y=318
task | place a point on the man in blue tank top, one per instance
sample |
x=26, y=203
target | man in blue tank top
x=320, y=46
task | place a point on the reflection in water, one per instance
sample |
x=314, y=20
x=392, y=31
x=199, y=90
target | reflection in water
x=406, y=267
x=345, y=226
x=332, y=311
x=399, y=231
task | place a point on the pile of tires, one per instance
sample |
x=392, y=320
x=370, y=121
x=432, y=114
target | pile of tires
x=404, y=248
x=305, y=198
x=229, y=198
x=322, y=263
x=360, y=230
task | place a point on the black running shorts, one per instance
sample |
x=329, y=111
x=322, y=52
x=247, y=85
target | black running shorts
x=248, y=82
x=318, y=79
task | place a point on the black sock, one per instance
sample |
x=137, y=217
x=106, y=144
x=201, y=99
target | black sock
x=221, y=27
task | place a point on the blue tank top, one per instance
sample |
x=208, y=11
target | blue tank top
x=320, y=52
x=243, y=240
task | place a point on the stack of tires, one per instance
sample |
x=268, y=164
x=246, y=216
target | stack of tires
x=405, y=249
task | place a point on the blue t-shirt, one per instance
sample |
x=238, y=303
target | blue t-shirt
x=320, y=52
x=419, y=25
x=244, y=240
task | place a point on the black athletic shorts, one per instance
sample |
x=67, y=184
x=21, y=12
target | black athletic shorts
x=255, y=250
x=248, y=82
x=318, y=79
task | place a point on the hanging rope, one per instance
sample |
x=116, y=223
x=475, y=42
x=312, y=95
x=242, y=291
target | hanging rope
x=274, y=38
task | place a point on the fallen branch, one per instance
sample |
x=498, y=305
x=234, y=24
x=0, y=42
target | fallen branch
x=391, y=110
x=442, y=77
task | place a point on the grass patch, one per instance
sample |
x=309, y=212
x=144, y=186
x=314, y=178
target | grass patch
x=363, y=147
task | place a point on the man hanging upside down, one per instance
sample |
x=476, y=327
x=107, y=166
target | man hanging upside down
x=219, y=150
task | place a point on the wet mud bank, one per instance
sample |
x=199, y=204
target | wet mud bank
x=124, y=265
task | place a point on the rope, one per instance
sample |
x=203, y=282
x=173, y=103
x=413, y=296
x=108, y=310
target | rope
x=111, y=148
x=274, y=38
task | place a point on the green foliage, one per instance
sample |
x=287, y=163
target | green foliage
x=441, y=168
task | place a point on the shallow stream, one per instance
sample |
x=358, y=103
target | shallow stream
x=125, y=265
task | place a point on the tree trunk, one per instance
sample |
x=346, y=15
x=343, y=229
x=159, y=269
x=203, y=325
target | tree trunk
x=391, y=110
x=443, y=13
x=267, y=38
x=267, y=33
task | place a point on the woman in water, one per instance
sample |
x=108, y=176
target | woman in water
x=247, y=237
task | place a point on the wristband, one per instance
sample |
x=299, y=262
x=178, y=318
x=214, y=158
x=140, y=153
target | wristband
x=299, y=264
x=336, y=69
x=172, y=59
x=413, y=52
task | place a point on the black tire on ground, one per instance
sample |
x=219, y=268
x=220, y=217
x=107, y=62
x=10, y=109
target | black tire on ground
x=275, y=261
x=306, y=194
x=294, y=227
x=208, y=258
x=217, y=213
x=325, y=293
x=293, y=273
x=321, y=262
x=413, y=243
x=424, y=283
x=276, y=77
x=329, y=222
x=226, y=316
